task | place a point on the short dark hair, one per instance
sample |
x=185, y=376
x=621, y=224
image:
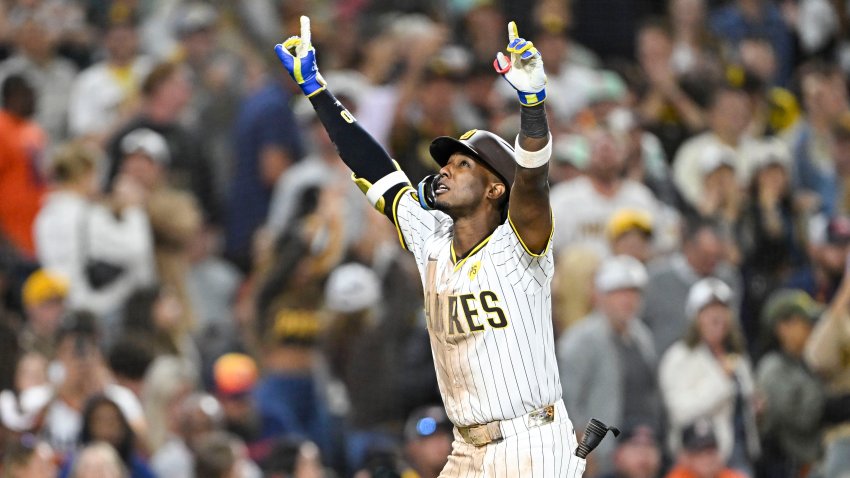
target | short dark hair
x=13, y=86
x=130, y=356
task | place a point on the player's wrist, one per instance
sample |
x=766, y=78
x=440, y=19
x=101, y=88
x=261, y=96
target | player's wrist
x=531, y=98
x=312, y=87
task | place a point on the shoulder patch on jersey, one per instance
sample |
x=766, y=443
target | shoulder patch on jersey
x=468, y=134
x=473, y=270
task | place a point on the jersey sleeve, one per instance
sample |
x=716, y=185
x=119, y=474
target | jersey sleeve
x=414, y=224
x=527, y=271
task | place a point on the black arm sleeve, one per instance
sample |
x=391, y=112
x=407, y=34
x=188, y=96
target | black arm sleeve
x=357, y=148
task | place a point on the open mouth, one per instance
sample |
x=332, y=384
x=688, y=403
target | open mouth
x=440, y=189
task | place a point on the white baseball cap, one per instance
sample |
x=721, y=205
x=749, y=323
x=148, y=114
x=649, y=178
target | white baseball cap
x=715, y=156
x=352, y=287
x=148, y=142
x=621, y=272
x=707, y=291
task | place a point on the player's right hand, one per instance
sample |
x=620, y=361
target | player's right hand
x=524, y=69
x=299, y=58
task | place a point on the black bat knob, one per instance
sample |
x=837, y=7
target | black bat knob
x=593, y=435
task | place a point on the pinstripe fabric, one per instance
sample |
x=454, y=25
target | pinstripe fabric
x=490, y=325
x=540, y=452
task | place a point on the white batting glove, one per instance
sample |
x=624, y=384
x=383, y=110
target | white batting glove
x=524, y=69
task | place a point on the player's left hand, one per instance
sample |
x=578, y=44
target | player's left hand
x=299, y=58
x=524, y=69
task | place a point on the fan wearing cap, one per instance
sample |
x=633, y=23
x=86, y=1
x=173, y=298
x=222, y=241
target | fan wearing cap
x=699, y=456
x=721, y=197
x=427, y=441
x=608, y=357
x=44, y=295
x=630, y=233
x=790, y=424
x=480, y=232
x=707, y=374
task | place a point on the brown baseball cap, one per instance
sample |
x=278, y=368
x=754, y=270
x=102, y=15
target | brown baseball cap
x=490, y=149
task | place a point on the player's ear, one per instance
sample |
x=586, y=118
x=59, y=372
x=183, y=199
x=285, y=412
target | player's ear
x=496, y=190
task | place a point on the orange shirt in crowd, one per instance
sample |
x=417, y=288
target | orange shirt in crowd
x=22, y=146
x=682, y=472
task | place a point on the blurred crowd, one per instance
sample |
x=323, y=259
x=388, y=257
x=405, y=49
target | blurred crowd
x=192, y=285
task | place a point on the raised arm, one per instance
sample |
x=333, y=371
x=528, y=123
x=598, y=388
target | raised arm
x=528, y=209
x=377, y=175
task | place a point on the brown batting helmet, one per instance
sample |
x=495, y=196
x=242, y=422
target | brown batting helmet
x=496, y=153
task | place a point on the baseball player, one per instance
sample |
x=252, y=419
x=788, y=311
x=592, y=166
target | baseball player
x=480, y=231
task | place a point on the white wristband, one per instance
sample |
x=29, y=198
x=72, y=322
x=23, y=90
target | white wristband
x=532, y=159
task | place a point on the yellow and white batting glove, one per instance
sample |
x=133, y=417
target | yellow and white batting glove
x=524, y=69
x=299, y=58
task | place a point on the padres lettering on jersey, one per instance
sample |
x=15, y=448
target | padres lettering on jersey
x=489, y=318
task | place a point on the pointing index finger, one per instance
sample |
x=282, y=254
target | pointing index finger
x=305, y=30
x=513, y=34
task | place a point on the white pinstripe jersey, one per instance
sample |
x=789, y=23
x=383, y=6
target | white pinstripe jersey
x=489, y=317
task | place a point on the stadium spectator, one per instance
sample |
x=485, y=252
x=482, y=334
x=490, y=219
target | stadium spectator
x=637, y=453
x=583, y=206
x=22, y=147
x=630, y=233
x=36, y=60
x=104, y=251
x=293, y=457
x=129, y=358
x=729, y=114
x=168, y=382
x=668, y=109
x=320, y=169
x=794, y=396
x=768, y=236
x=83, y=375
x=426, y=116
x=44, y=297
x=826, y=354
x=219, y=81
x=235, y=377
x=166, y=93
x=103, y=421
x=823, y=91
x=106, y=94
x=571, y=153
x=671, y=277
x=707, y=374
x=267, y=141
x=29, y=457
x=745, y=18
x=427, y=441
x=700, y=455
x=99, y=460
x=609, y=359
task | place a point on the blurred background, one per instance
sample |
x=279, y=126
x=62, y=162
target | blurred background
x=191, y=284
